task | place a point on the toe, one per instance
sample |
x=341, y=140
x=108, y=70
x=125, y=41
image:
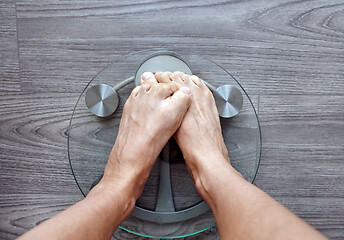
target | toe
x=165, y=90
x=163, y=77
x=175, y=77
x=145, y=87
x=187, y=80
x=196, y=80
x=135, y=92
x=180, y=101
x=148, y=77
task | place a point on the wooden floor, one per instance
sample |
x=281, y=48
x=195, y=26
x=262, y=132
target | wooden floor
x=288, y=53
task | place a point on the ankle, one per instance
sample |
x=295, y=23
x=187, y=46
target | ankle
x=208, y=179
x=113, y=197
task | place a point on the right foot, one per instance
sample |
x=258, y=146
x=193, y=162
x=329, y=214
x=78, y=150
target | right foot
x=199, y=136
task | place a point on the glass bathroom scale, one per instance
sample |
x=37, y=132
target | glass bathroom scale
x=91, y=138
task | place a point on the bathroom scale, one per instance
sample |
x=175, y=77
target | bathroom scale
x=169, y=206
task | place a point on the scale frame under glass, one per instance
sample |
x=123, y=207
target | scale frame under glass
x=169, y=206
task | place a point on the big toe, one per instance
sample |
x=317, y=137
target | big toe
x=148, y=77
x=181, y=101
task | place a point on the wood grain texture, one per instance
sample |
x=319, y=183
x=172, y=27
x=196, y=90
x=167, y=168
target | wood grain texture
x=290, y=53
x=9, y=61
x=302, y=164
x=258, y=41
x=21, y=212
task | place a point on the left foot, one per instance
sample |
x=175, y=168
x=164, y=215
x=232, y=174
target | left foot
x=151, y=115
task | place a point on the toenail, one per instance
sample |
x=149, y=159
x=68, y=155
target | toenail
x=186, y=90
x=146, y=75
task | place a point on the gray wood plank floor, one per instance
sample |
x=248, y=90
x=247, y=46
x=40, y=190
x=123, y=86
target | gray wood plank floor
x=288, y=53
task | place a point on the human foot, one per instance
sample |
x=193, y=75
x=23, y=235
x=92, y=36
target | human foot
x=151, y=115
x=199, y=136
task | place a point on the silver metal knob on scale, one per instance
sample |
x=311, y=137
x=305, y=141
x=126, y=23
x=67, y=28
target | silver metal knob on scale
x=228, y=100
x=102, y=99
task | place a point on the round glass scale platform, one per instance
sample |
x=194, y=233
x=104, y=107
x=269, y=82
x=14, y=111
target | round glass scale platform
x=169, y=206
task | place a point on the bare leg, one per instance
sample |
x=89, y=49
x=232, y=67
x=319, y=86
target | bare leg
x=242, y=211
x=151, y=115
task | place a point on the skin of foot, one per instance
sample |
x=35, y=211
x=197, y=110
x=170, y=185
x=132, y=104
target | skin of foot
x=151, y=115
x=199, y=136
